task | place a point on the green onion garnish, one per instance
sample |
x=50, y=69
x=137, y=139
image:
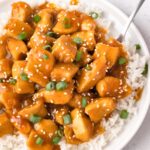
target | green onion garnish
x=124, y=114
x=50, y=86
x=44, y=56
x=83, y=102
x=122, y=61
x=36, y=18
x=88, y=67
x=39, y=141
x=24, y=77
x=47, y=47
x=61, y=86
x=52, y=34
x=67, y=23
x=77, y=40
x=145, y=71
x=56, y=139
x=59, y=132
x=138, y=46
x=67, y=119
x=78, y=56
x=22, y=36
x=94, y=15
x=12, y=81
x=35, y=118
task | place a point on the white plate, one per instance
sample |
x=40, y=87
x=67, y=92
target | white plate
x=119, y=19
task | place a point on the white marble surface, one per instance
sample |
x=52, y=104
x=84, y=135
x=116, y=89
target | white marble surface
x=141, y=140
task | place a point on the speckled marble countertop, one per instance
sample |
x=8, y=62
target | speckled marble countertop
x=141, y=140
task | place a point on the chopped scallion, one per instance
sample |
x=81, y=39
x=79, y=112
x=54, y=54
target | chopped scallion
x=124, y=114
x=138, y=46
x=36, y=18
x=145, y=71
x=94, y=15
x=12, y=81
x=56, y=139
x=44, y=56
x=122, y=61
x=24, y=77
x=67, y=119
x=61, y=86
x=77, y=40
x=22, y=36
x=35, y=118
x=83, y=102
x=78, y=56
x=39, y=141
x=50, y=86
x=67, y=23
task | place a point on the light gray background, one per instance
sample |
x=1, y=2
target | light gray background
x=141, y=140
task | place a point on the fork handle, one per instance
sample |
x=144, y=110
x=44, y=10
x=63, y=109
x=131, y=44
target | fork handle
x=132, y=16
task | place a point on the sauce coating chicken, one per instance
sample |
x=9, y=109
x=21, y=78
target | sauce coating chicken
x=59, y=76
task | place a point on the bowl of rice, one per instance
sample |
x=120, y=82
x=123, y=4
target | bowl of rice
x=118, y=131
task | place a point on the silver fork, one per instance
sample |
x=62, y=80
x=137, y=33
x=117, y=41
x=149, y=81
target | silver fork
x=121, y=37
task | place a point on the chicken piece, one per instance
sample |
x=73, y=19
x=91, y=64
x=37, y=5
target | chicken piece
x=70, y=136
x=31, y=143
x=82, y=126
x=5, y=68
x=46, y=22
x=17, y=48
x=5, y=125
x=57, y=97
x=87, y=38
x=88, y=23
x=36, y=108
x=46, y=128
x=22, y=125
x=60, y=112
x=22, y=86
x=3, y=50
x=109, y=86
x=39, y=66
x=9, y=98
x=21, y=11
x=40, y=40
x=100, y=108
x=16, y=27
x=63, y=72
x=64, y=49
x=88, y=78
x=111, y=53
x=67, y=22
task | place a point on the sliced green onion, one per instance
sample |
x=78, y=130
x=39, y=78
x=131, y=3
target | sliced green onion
x=47, y=47
x=59, y=132
x=88, y=67
x=67, y=23
x=77, y=40
x=56, y=139
x=67, y=119
x=35, y=118
x=94, y=15
x=122, y=61
x=12, y=81
x=24, y=77
x=145, y=71
x=52, y=34
x=50, y=86
x=79, y=56
x=124, y=114
x=61, y=86
x=22, y=36
x=138, y=46
x=39, y=141
x=83, y=102
x=36, y=18
x=44, y=56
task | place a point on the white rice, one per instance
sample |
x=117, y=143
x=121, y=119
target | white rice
x=113, y=125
